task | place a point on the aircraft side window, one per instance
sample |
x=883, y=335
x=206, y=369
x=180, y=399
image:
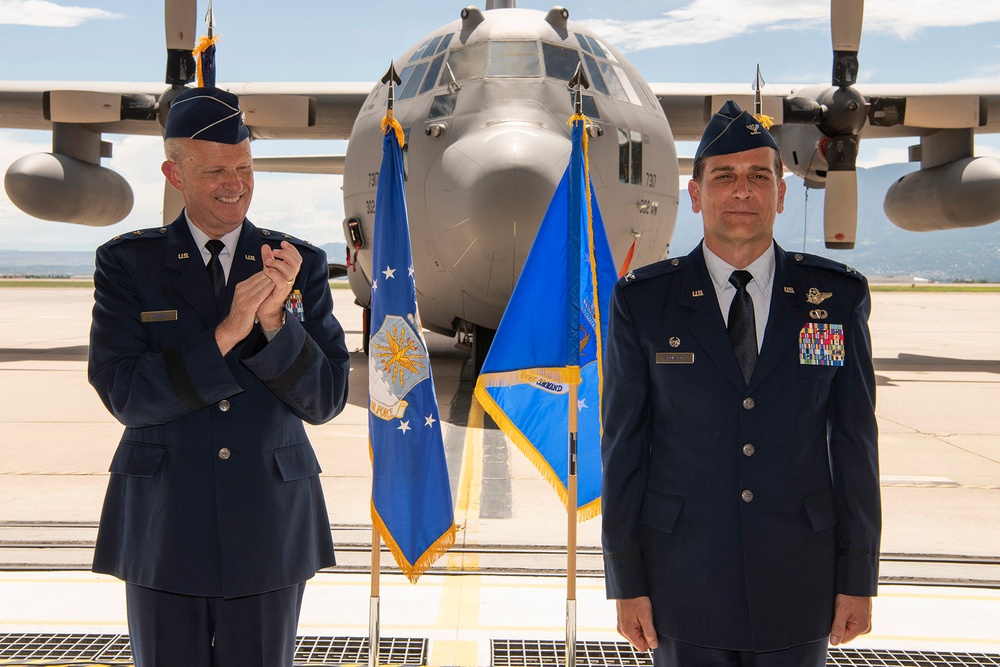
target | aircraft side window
x=627, y=86
x=560, y=62
x=419, y=53
x=611, y=81
x=404, y=78
x=594, y=70
x=465, y=64
x=410, y=87
x=624, y=157
x=514, y=59
x=600, y=48
x=636, y=167
x=584, y=43
x=432, y=74
x=589, y=105
x=596, y=47
x=444, y=42
x=443, y=106
x=629, y=157
x=432, y=47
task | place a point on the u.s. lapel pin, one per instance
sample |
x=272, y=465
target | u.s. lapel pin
x=789, y=290
x=250, y=258
x=697, y=293
x=182, y=255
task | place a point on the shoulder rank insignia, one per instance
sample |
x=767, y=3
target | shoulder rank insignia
x=815, y=297
x=630, y=276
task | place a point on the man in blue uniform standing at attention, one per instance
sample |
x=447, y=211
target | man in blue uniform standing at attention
x=741, y=505
x=212, y=342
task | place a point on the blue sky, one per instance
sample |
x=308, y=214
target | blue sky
x=904, y=41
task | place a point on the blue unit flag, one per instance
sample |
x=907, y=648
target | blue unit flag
x=411, y=493
x=552, y=334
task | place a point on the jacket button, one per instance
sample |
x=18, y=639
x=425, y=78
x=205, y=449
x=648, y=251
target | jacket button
x=747, y=495
x=224, y=405
x=748, y=449
x=224, y=454
x=749, y=403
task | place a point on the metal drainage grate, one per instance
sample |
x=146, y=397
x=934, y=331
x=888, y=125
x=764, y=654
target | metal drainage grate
x=550, y=653
x=545, y=653
x=105, y=649
x=851, y=657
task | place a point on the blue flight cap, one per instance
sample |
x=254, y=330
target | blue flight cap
x=207, y=113
x=733, y=130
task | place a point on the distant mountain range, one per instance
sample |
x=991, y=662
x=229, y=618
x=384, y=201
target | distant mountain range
x=80, y=264
x=882, y=249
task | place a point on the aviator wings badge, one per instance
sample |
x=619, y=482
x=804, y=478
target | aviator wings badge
x=815, y=297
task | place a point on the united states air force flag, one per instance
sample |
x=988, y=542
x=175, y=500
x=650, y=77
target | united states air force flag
x=552, y=334
x=411, y=495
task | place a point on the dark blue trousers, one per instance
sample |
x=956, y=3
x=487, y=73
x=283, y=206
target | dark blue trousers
x=673, y=653
x=172, y=630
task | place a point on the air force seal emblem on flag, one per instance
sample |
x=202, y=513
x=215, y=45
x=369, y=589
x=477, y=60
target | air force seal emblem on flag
x=397, y=363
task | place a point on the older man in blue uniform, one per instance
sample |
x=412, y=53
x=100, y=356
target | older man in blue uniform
x=212, y=342
x=741, y=496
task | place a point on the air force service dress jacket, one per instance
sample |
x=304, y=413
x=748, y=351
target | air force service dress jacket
x=740, y=510
x=214, y=487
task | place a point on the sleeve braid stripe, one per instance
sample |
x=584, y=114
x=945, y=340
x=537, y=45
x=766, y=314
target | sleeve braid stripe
x=180, y=381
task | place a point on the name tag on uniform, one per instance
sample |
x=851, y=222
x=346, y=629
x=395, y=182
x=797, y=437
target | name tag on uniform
x=675, y=357
x=158, y=315
x=821, y=344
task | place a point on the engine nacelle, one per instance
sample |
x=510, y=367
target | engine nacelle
x=963, y=193
x=801, y=154
x=55, y=187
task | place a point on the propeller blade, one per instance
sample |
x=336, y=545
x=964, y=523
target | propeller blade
x=173, y=202
x=845, y=24
x=840, y=206
x=845, y=30
x=840, y=209
x=180, y=23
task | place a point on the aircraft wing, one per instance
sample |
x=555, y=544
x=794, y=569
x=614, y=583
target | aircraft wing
x=273, y=110
x=897, y=110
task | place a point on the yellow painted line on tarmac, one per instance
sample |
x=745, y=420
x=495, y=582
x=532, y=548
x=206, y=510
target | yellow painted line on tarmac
x=470, y=486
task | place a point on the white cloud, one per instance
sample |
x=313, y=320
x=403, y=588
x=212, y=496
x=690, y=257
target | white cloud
x=707, y=21
x=48, y=14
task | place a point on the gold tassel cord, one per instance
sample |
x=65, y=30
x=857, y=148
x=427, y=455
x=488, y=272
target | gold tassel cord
x=765, y=120
x=390, y=121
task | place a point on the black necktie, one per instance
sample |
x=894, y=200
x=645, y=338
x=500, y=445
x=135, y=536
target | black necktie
x=215, y=272
x=742, y=324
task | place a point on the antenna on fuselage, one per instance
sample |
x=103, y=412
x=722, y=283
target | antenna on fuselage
x=500, y=4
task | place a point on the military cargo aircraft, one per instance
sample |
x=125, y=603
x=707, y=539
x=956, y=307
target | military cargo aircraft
x=484, y=101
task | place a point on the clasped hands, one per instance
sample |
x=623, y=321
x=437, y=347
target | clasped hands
x=261, y=297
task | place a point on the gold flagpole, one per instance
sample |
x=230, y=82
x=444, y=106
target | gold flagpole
x=392, y=79
x=571, y=502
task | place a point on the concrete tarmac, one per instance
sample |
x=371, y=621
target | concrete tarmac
x=937, y=358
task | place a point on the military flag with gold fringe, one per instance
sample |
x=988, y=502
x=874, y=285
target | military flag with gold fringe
x=552, y=335
x=411, y=494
